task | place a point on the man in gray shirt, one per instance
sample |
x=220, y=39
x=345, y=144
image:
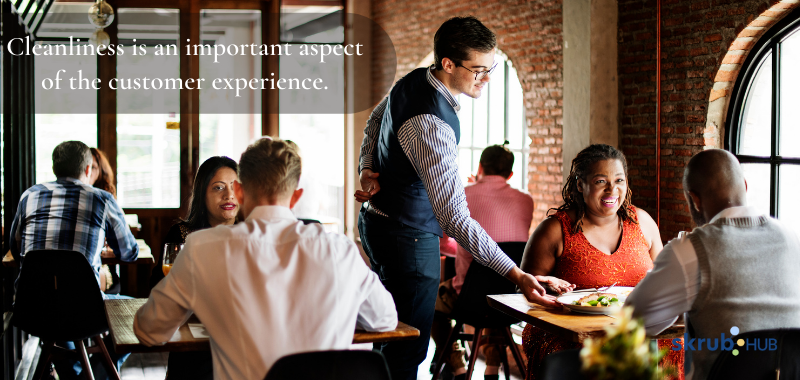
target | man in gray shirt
x=716, y=273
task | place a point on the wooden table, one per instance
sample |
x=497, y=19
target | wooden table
x=145, y=256
x=120, y=315
x=570, y=325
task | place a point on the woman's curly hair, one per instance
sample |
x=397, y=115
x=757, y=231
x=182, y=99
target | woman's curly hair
x=583, y=162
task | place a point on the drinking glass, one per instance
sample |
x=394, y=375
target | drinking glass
x=171, y=251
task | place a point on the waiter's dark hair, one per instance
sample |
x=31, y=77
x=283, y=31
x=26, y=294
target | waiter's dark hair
x=459, y=36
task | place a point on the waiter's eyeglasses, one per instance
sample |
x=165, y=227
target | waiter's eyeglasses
x=479, y=75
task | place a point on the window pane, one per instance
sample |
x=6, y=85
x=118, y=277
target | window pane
x=790, y=98
x=788, y=203
x=758, y=185
x=755, y=135
x=476, y=160
x=54, y=127
x=229, y=134
x=320, y=138
x=497, y=102
x=465, y=121
x=464, y=164
x=516, y=111
x=148, y=144
x=315, y=23
x=480, y=121
x=518, y=178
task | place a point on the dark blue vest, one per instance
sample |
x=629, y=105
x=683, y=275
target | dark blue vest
x=403, y=196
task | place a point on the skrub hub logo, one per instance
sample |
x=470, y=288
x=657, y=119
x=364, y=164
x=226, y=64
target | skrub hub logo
x=724, y=343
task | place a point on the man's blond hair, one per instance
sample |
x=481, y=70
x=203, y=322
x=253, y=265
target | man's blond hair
x=270, y=168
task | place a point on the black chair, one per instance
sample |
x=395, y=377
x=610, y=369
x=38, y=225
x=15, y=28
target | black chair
x=330, y=365
x=472, y=309
x=754, y=364
x=50, y=284
x=562, y=365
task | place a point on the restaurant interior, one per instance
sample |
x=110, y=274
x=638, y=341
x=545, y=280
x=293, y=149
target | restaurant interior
x=660, y=80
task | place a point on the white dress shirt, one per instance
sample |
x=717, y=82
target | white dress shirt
x=671, y=288
x=266, y=288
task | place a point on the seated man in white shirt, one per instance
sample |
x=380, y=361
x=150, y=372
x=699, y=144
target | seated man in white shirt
x=716, y=273
x=269, y=286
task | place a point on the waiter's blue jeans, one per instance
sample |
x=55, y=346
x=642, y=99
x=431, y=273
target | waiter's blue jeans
x=407, y=261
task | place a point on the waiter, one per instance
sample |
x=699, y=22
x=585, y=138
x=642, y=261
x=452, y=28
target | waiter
x=409, y=181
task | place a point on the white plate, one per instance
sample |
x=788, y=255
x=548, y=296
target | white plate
x=621, y=292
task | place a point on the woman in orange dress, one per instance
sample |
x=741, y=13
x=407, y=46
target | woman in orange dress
x=596, y=238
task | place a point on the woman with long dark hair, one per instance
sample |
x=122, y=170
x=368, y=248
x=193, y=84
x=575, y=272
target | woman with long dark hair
x=102, y=175
x=212, y=203
x=595, y=238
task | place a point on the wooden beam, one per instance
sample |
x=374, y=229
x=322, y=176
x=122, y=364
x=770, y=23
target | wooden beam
x=107, y=99
x=270, y=34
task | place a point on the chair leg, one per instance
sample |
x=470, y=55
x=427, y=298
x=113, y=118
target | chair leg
x=446, y=350
x=84, y=358
x=476, y=345
x=504, y=359
x=110, y=367
x=515, y=352
x=44, y=360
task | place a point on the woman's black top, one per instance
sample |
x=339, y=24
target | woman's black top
x=176, y=234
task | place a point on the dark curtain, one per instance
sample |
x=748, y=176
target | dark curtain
x=17, y=98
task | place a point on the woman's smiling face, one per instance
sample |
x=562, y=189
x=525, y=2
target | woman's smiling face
x=604, y=188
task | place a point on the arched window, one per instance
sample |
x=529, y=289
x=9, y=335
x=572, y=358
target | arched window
x=498, y=115
x=764, y=122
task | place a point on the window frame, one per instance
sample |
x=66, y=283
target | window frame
x=769, y=43
x=525, y=150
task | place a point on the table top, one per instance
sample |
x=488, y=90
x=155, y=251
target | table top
x=120, y=314
x=570, y=325
x=145, y=256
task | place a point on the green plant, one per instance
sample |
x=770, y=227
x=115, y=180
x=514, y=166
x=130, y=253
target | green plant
x=624, y=353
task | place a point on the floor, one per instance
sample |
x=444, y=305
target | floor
x=154, y=367
x=145, y=367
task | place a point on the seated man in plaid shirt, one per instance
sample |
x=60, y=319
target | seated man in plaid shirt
x=70, y=215
x=506, y=214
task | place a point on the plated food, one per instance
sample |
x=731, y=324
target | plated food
x=596, y=302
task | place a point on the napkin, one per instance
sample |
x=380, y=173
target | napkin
x=198, y=331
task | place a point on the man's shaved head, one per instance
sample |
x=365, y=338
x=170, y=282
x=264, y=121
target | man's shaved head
x=714, y=177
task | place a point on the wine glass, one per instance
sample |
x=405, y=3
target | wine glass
x=171, y=251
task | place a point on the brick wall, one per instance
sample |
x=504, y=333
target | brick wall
x=696, y=36
x=528, y=32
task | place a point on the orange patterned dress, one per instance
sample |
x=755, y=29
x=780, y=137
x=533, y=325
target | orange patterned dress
x=587, y=267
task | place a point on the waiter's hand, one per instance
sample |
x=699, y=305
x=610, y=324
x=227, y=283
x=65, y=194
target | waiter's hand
x=369, y=185
x=531, y=288
x=555, y=284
